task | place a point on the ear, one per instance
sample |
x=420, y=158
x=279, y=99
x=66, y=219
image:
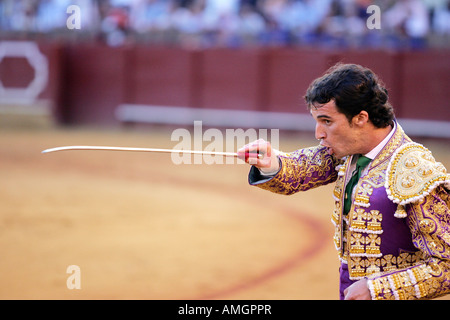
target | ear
x=361, y=119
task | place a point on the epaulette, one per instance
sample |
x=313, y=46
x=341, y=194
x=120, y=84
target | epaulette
x=412, y=173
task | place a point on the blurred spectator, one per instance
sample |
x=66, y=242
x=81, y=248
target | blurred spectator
x=441, y=18
x=206, y=23
x=150, y=15
x=250, y=24
x=48, y=17
x=19, y=15
x=409, y=18
x=115, y=26
x=344, y=25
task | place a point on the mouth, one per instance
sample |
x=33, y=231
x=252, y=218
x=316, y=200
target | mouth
x=330, y=150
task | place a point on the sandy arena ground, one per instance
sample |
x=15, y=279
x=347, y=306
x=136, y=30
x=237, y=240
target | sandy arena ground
x=141, y=227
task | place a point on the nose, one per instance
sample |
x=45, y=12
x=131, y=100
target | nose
x=319, y=133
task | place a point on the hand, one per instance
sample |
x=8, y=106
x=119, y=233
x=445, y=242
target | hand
x=269, y=161
x=358, y=291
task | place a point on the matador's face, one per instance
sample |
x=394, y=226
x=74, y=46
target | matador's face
x=339, y=136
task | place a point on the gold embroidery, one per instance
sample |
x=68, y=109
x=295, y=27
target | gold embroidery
x=389, y=262
x=363, y=253
x=411, y=162
x=363, y=195
x=400, y=212
x=302, y=170
x=357, y=241
x=374, y=218
x=358, y=223
x=336, y=218
x=427, y=225
x=373, y=266
x=408, y=181
x=378, y=288
x=424, y=274
x=358, y=268
x=412, y=173
x=414, y=282
x=374, y=242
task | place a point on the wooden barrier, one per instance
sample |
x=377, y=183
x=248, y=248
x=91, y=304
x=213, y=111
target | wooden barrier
x=54, y=92
x=95, y=83
x=15, y=72
x=162, y=76
x=231, y=79
x=87, y=82
x=289, y=75
x=30, y=76
x=424, y=85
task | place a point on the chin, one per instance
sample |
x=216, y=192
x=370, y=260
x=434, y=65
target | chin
x=339, y=155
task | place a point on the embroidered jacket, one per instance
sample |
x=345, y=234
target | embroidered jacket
x=397, y=233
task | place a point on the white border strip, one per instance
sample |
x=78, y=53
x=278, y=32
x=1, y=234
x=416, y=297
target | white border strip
x=213, y=117
x=254, y=119
x=426, y=128
x=30, y=51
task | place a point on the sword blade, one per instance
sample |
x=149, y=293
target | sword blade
x=106, y=148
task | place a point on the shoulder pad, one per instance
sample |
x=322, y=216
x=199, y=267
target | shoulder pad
x=412, y=173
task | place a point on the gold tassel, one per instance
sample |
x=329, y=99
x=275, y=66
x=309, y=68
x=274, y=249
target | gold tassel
x=400, y=212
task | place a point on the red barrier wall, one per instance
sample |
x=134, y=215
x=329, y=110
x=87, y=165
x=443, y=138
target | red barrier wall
x=289, y=75
x=231, y=79
x=88, y=81
x=424, y=85
x=54, y=92
x=162, y=76
x=16, y=72
x=95, y=83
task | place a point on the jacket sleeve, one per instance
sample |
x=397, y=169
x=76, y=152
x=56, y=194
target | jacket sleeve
x=300, y=170
x=429, y=221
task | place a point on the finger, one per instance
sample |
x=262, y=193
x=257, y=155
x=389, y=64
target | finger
x=266, y=160
x=350, y=293
x=248, y=148
x=261, y=147
x=252, y=160
x=345, y=293
x=250, y=152
x=245, y=155
x=260, y=162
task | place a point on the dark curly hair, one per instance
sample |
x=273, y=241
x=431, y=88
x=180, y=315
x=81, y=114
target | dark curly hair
x=354, y=89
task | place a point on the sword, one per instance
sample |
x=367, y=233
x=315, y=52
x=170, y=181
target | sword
x=225, y=154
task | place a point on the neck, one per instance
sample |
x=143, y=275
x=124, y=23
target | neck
x=376, y=136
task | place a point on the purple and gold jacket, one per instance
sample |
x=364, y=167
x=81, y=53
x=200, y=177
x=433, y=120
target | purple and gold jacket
x=397, y=233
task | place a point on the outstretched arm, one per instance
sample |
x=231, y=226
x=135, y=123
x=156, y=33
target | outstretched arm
x=300, y=170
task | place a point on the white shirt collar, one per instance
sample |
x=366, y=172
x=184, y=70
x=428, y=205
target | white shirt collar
x=375, y=151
